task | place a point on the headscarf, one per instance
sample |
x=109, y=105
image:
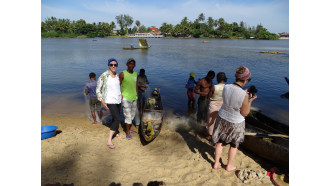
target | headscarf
x=112, y=59
x=243, y=76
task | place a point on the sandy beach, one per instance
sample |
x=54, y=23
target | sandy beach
x=178, y=156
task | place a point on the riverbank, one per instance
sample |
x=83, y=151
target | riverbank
x=68, y=35
x=178, y=156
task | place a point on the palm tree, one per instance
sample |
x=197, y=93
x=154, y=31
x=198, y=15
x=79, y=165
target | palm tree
x=138, y=24
x=201, y=17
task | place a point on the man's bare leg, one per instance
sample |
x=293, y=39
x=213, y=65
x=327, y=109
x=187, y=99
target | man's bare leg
x=94, y=116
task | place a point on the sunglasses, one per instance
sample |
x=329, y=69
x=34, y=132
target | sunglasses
x=116, y=65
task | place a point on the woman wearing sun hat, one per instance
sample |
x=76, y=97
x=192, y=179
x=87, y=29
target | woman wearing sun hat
x=229, y=127
x=109, y=93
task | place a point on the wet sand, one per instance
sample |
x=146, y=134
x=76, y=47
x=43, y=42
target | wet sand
x=178, y=156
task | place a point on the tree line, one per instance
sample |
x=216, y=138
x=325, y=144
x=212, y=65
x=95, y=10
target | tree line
x=199, y=28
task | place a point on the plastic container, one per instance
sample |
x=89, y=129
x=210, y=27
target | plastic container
x=48, y=131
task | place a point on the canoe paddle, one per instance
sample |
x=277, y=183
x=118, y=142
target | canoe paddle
x=266, y=135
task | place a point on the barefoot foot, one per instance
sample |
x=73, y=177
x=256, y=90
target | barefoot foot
x=216, y=165
x=231, y=168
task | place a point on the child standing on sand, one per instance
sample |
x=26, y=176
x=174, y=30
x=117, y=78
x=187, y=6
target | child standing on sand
x=94, y=103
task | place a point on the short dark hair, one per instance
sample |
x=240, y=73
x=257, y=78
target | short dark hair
x=142, y=71
x=92, y=75
x=211, y=73
x=221, y=76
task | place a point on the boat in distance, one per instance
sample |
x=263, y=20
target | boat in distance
x=143, y=44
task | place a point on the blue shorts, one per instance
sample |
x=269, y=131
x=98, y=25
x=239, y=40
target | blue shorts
x=142, y=96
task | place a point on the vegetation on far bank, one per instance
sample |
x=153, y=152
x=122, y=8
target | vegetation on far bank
x=199, y=28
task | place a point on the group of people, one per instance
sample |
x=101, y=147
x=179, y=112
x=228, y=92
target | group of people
x=113, y=90
x=223, y=107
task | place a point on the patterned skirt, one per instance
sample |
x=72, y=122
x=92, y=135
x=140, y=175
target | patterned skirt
x=228, y=133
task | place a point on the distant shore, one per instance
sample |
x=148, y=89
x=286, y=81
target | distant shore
x=168, y=37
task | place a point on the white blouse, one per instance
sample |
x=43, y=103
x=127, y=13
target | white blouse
x=217, y=95
x=232, y=102
x=113, y=91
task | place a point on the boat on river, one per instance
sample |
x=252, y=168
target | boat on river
x=267, y=138
x=143, y=44
x=152, y=117
x=272, y=52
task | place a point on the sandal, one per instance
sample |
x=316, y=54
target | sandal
x=129, y=137
x=111, y=146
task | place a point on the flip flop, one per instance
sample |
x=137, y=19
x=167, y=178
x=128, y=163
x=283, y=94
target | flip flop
x=111, y=146
x=128, y=137
x=133, y=132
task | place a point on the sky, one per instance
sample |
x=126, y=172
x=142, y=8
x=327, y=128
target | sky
x=271, y=14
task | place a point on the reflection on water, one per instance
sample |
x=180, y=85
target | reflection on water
x=66, y=63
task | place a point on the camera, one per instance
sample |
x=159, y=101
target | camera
x=253, y=90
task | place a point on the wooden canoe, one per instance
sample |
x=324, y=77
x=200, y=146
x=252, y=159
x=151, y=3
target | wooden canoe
x=266, y=144
x=272, y=52
x=142, y=43
x=152, y=118
x=133, y=48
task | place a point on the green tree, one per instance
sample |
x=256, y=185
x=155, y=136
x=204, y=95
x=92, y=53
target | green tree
x=217, y=28
x=134, y=29
x=176, y=30
x=43, y=26
x=50, y=24
x=62, y=25
x=210, y=22
x=138, y=24
x=143, y=28
x=262, y=33
x=124, y=22
x=80, y=24
x=196, y=29
x=201, y=17
x=103, y=29
x=185, y=28
x=89, y=30
x=73, y=28
x=166, y=29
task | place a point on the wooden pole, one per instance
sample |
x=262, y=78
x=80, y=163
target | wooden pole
x=266, y=135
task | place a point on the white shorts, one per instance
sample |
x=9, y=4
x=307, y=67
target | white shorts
x=129, y=109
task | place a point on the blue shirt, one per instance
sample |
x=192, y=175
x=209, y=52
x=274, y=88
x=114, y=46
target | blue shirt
x=190, y=83
x=91, y=87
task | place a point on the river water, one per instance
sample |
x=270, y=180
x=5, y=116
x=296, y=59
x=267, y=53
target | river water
x=66, y=63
